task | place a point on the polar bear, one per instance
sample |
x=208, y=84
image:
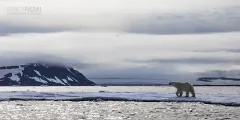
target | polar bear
x=183, y=86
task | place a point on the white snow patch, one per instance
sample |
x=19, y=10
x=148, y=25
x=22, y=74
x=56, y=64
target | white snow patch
x=66, y=81
x=37, y=72
x=52, y=80
x=39, y=79
x=70, y=71
x=20, y=70
x=15, y=78
x=70, y=79
x=13, y=71
x=60, y=81
x=56, y=80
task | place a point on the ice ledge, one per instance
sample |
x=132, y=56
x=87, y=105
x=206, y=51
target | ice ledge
x=218, y=99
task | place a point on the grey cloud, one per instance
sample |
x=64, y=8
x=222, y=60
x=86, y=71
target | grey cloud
x=219, y=20
x=148, y=74
x=220, y=73
x=198, y=22
x=193, y=61
x=232, y=50
x=7, y=28
x=96, y=70
x=219, y=50
x=18, y=58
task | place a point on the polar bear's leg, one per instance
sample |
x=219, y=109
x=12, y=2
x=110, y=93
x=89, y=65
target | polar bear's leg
x=187, y=94
x=181, y=93
x=192, y=92
x=177, y=93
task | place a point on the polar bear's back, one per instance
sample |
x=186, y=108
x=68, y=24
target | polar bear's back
x=182, y=85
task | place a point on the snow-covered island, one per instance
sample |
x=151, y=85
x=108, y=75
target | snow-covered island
x=40, y=74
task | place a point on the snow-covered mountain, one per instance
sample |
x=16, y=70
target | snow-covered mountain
x=37, y=74
x=218, y=81
x=210, y=79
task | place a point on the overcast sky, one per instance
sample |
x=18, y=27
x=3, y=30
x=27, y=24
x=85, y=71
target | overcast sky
x=164, y=39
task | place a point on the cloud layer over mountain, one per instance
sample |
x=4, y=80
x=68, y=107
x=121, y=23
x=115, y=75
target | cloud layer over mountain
x=122, y=38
